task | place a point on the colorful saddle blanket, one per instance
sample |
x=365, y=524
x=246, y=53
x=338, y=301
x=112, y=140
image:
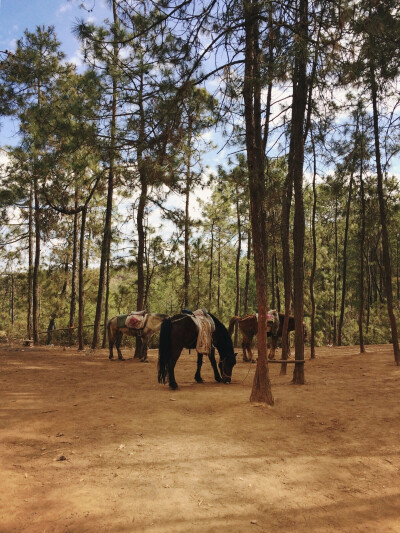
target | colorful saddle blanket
x=135, y=320
x=272, y=321
x=205, y=327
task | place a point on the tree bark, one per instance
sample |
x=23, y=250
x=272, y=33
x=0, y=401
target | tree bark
x=297, y=132
x=382, y=213
x=362, y=244
x=29, y=326
x=81, y=294
x=110, y=190
x=261, y=390
x=74, y=274
x=314, y=246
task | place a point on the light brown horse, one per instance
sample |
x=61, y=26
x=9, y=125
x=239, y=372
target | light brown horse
x=248, y=326
x=152, y=325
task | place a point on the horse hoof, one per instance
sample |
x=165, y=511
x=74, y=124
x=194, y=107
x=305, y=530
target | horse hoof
x=121, y=358
x=199, y=380
x=219, y=380
x=144, y=360
x=173, y=386
x=111, y=357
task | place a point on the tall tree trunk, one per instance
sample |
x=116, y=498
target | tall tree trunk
x=247, y=281
x=81, y=293
x=278, y=294
x=105, y=248
x=344, y=265
x=210, y=280
x=106, y=303
x=297, y=131
x=261, y=390
x=30, y=264
x=335, y=280
x=314, y=245
x=36, y=266
x=74, y=274
x=219, y=270
x=187, y=214
x=382, y=213
x=362, y=252
x=237, y=265
x=12, y=300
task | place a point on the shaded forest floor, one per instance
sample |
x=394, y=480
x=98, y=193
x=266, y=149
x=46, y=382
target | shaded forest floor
x=89, y=445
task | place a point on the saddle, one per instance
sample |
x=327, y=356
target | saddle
x=272, y=321
x=205, y=328
x=136, y=320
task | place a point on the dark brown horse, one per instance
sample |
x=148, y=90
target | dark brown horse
x=248, y=326
x=180, y=332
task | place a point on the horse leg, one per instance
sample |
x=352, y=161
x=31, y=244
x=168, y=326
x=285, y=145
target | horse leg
x=143, y=355
x=111, y=341
x=197, y=376
x=171, y=370
x=118, y=344
x=244, y=347
x=251, y=355
x=274, y=342
x=214, y=365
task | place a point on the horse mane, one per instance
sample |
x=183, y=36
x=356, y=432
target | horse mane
x=224, y=342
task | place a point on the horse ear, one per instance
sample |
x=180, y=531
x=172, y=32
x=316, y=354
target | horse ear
x=235, y=354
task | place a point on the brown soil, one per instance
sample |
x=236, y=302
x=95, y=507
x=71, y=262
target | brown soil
x=89, y=445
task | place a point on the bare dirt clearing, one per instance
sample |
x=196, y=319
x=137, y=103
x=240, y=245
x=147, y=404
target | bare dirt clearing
x=90, y=445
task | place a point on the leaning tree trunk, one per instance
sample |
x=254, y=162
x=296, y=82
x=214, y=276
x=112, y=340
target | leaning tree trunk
x=261, y=390
x=382, y=213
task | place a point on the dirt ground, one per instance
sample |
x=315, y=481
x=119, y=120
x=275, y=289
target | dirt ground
x=90, y=445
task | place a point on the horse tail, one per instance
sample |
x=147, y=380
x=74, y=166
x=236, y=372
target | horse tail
x=164, y=349
x=232, y=323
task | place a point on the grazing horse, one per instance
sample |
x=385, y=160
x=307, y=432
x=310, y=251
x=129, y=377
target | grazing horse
x=248, y=326
x=116, y=328
x=180, y=332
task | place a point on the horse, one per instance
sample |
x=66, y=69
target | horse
x=152, y=324
x=248, y=326
x=180, y=331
